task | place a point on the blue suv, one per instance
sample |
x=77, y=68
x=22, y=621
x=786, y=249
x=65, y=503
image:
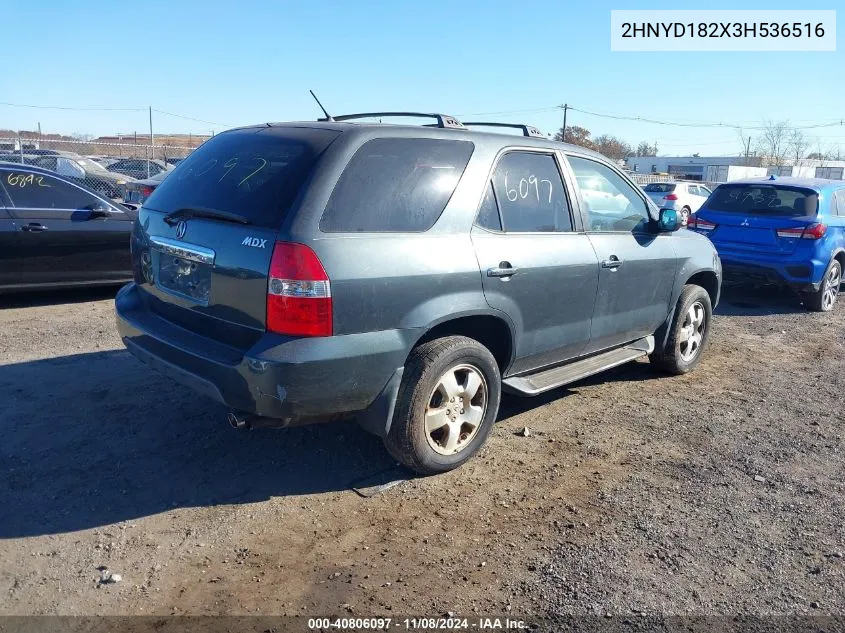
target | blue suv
x=788, y=231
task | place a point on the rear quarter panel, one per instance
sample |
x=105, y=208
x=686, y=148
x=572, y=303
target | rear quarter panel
x=383, y=281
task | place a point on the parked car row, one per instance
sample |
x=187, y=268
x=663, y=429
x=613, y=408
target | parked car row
x=420, y=271
x=102, y=174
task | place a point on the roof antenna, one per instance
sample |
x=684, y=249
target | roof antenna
x=328, y=116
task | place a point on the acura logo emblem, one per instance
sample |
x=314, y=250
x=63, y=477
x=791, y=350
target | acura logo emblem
x=181, y=228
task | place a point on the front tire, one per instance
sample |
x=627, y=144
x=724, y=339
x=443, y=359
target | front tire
x=446, y=405
x=689, y=333
x=825, y=297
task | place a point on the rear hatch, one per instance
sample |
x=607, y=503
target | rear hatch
x=758, y=217
x=205, y=237
x=660, y=193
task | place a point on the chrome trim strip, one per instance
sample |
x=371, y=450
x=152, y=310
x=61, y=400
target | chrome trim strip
x=185, y=251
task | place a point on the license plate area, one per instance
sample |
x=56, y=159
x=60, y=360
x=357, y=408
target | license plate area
x=184, y=269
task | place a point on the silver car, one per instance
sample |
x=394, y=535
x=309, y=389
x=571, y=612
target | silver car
x=684, y=197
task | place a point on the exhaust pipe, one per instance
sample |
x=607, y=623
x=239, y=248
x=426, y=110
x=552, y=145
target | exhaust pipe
x=239, y=420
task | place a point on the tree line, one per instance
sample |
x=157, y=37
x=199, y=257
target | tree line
x=776, y=143
x=606, y=144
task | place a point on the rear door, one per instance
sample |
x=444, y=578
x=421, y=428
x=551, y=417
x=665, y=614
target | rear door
x=10, y=252
x=210, y=273
x=637, y=266
x=62, y=241
x=536, y=265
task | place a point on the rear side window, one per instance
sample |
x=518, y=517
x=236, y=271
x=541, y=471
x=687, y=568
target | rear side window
x=763, y=200
x=396, y=185
x=660, y=187
x=530, y=194
x=255, y=173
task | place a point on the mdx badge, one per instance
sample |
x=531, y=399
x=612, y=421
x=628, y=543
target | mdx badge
x=254, y=242
x=180, y=229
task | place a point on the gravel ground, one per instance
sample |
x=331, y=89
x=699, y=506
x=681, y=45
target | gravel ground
x=719, y=492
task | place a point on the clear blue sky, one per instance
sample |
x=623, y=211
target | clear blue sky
x=233, y=63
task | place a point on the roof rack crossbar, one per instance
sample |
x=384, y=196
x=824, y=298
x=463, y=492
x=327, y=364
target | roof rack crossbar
x=527, y=130
x=443, y=120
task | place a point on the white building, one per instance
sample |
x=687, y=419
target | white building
x=727, y=168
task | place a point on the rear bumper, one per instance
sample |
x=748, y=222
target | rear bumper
x=295, y=380
x=803, y=275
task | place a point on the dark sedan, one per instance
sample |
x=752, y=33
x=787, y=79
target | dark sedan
x=137, y=191
x=55, y=232
x=139, y=167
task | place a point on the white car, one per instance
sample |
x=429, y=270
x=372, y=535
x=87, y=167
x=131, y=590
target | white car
x=684, y=197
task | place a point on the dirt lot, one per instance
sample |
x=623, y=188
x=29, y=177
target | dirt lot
x=715, y=493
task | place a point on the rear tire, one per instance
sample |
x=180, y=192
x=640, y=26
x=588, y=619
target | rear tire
x=685, y=213
x=689, y=333
x=823, y=299
x=446, y=406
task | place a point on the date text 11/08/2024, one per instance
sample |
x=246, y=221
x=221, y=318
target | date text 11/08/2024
x=417, y=624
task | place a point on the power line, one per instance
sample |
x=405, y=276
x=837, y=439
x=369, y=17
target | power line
x=189, y=118
x=622, y=117
x=81, y=109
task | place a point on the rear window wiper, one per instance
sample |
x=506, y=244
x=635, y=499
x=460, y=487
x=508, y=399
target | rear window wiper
x=203, y=212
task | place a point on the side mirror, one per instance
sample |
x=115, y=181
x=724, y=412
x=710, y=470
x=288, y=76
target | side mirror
x=91, y=212
x=669, y=220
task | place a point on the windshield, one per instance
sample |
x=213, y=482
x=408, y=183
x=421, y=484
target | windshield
x=763, y=199
x=660, y=187
x=254, y=173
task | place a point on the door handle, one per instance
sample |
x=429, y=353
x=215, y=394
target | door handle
x=613, y=263
x=504, y=269
x=33, y=227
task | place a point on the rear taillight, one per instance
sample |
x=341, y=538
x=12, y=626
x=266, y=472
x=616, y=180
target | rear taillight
x=671, y=196
x=812, y=232
x=299, y=297
x=147, y=191
x=701, y=225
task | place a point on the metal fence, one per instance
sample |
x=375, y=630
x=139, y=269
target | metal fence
x=645, y=179
x=112, y=168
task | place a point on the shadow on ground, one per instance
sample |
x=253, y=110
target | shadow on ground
x=94, y=439
x=740, y=300
x=58, y=297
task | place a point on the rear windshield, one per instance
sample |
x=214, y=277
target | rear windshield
x=763, y=199
x=255, y=173
x=396, y=185
x=660, y=187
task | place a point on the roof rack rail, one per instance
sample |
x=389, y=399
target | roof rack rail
x=527, y=130
x=443, y=120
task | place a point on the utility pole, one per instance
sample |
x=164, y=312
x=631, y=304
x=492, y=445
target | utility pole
x=152, y=141
x=39, y=134
x=747, y=150
x=565, y=107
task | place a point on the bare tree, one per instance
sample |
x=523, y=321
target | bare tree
x=798, y=146
x=773, y=142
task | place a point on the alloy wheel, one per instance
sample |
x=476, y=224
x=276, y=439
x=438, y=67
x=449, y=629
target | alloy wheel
x=456, y=409
x=692, y=331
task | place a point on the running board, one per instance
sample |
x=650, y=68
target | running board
x=532, y=384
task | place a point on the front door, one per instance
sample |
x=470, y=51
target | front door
x=60, y=238
x=637, y=266
x=535, y=265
